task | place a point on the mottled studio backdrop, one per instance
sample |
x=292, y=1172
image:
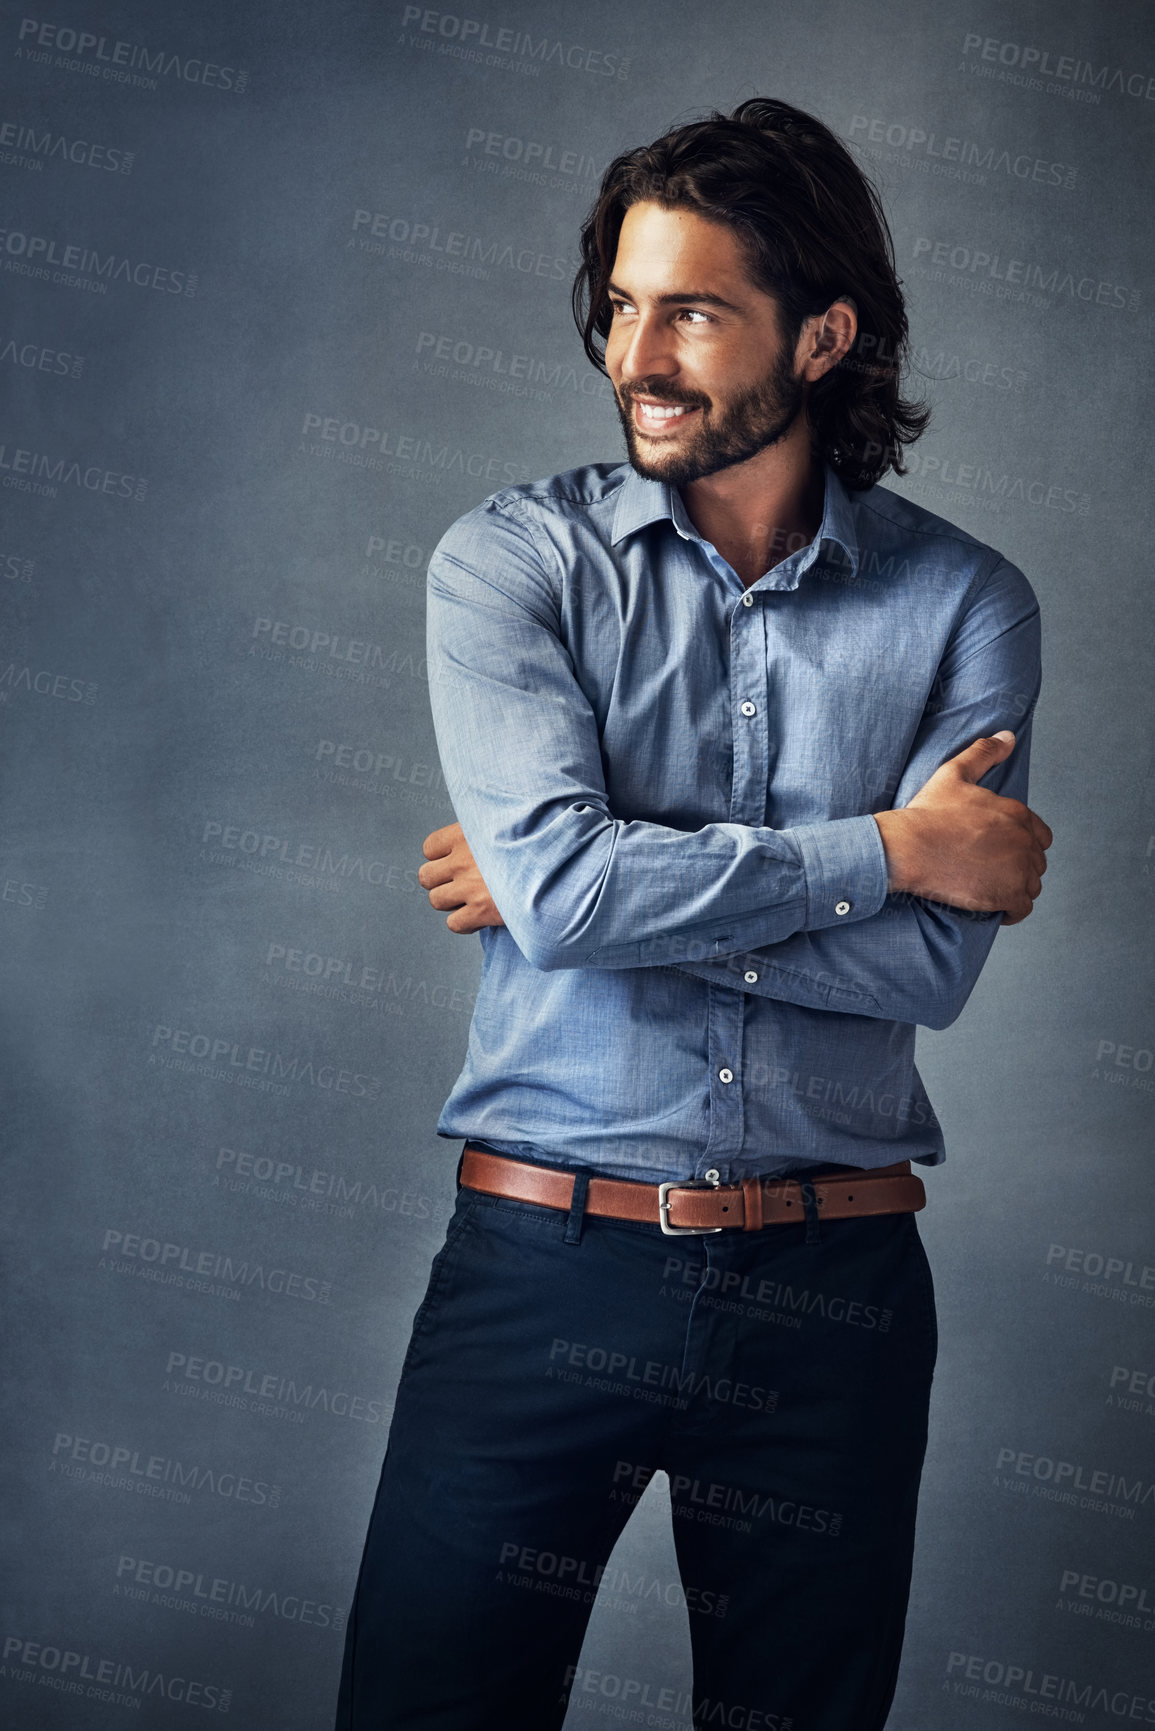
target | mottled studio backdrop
x=285, y=289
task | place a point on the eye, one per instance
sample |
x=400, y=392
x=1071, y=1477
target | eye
x=622, y=308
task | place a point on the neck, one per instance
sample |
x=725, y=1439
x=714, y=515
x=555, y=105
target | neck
x=756, y=513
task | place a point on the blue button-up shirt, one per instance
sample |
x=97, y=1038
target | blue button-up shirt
x=667, y=780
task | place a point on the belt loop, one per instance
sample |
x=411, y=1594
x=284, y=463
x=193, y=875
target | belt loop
x=460, y=1164
x=577, y=1208
x=810, y=1204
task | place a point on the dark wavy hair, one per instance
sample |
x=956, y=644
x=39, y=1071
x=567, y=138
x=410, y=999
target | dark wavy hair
x=812, y=229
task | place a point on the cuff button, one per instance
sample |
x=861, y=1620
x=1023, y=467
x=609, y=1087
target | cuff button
x=842, y=907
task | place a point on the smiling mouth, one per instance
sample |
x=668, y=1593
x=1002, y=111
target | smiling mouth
x=660, y=417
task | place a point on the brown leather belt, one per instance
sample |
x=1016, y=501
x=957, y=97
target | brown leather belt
x=699, y=1205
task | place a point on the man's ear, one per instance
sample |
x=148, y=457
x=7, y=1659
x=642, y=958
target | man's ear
x=832, y=338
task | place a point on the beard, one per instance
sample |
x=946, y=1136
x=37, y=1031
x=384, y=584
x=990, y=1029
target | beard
x=748, y=424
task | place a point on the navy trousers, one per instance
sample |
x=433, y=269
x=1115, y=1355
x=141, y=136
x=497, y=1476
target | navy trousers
x=781, y=1378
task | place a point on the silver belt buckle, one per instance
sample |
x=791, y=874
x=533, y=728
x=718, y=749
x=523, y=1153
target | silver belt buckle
x=664, y=1204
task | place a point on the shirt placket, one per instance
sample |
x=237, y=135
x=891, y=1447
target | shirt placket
x=750, y=757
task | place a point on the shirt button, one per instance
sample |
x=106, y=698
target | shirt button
x=747, y=600
x=842, y=907
x=750, y=977
x=748, y=708
x=725, y=1075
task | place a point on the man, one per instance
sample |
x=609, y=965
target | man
x=714, y=723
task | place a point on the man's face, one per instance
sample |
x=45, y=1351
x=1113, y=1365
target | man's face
x=691, y=333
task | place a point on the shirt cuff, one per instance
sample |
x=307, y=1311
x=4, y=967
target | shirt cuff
x=845, y=866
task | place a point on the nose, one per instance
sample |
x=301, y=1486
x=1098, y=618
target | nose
x=646, y=351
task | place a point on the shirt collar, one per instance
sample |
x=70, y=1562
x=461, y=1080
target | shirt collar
x=641, y=502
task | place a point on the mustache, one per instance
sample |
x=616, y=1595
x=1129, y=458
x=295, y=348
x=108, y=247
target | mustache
x=628, y=393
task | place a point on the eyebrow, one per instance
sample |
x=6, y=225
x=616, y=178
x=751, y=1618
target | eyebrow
x=672, y=300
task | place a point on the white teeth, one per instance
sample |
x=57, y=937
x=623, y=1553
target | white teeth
x=653, y=414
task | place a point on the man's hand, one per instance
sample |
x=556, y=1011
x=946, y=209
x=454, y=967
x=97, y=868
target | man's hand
x=964, y=845
x=454, y=882
x=955, y=843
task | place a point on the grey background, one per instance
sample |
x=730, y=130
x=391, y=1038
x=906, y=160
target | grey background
x=161, y=720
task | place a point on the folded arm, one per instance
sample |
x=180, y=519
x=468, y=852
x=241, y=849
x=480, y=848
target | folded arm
x=917, y=959
x=519, y=745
